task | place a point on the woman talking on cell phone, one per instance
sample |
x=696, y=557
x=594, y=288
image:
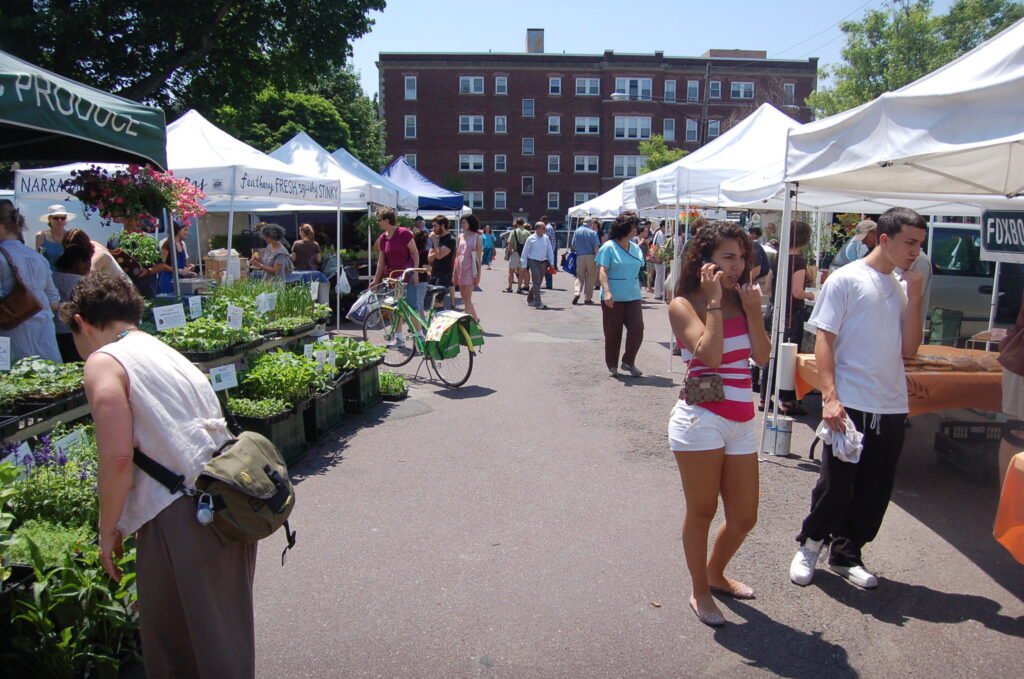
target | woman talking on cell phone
x=716, y=316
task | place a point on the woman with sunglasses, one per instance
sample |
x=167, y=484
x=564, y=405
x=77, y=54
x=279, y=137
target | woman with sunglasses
x=49, y=241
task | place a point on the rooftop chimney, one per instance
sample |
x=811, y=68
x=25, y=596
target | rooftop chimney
x=535, y=41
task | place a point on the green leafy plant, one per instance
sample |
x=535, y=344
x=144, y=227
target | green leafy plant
x=142, y=247
x=8, y=475
x=53, y=541
x=257, y=408
x=59, y=487
x=352, y=353
x=37, y=378
x=392, y=384
x=207, y=334
x=285, y=376
x=75, y=621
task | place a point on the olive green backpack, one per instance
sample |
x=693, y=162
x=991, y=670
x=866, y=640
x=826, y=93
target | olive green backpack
x=245, y=486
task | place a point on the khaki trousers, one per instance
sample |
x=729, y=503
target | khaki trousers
x=195, y=599
x=586, y=277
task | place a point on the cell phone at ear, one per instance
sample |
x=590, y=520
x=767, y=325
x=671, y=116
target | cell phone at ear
x=707, y=260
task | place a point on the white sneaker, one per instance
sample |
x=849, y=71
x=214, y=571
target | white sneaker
x=801, y=570
x=858, y=575
x=397, y=341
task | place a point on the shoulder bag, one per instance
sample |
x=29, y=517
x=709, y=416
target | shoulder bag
x=243, y=493
x=20, y=304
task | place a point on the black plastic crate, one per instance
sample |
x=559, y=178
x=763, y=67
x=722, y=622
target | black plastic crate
x=970, y=448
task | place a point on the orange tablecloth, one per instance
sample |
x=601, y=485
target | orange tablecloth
x=929, y=391
x=1009, y=528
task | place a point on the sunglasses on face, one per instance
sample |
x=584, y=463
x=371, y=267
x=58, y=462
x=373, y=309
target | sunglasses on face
x=61, y=218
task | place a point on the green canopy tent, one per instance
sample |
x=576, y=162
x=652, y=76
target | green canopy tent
x=46, y=117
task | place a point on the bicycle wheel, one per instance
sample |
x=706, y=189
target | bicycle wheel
x=380, y=329
x=454, y=371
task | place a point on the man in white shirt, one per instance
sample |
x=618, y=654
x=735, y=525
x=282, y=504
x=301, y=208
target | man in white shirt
x=537, y=256
x=659, y=267
x=867, y=321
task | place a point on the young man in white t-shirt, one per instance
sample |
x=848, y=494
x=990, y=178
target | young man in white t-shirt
x=867, y=321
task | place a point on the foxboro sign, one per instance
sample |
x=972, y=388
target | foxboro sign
x=1002, y=236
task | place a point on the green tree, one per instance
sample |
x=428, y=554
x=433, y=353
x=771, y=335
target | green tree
x=658, y=153
x=274, y=117
x=189, y=53
x=342, y=88
x=892, y=47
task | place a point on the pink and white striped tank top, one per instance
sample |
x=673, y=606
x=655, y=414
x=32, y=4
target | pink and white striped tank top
x=738, y=405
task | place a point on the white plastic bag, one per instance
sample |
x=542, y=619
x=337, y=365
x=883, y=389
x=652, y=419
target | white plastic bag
x=343, y=283
x=362, y=307
x=847, y=445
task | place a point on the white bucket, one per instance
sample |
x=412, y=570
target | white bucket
x=777, y=436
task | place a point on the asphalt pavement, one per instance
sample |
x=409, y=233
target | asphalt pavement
x=528, y=525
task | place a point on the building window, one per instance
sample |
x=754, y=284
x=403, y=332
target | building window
x=474, y=199
x=471, y=162
x=668, y=129
x=554, y=163
x=588, y=87
x=527, y=108
x=411, y=159
x=500, y=124
x=632, y=127
x=715, y=89
x=500, y=200
x=586, y=164
x=789, y=94
x=742, y=91
x=714, y=128
x=692, y=90
x=527, y=146
x=670, y=91
x=471, y=84
x=553, y=200
x=587, y=125
x=501, y=84
x=691, y=130
x=580, y=197
x=410, y=127
x=471, y=124
x=629, y=166
x=636, y=88
x=554, y=124
x=527, y=185
x=500, y=162
x=410, y=88
x=555, y=86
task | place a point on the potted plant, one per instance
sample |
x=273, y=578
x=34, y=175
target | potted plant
x=393, y=387
x=137, y=192
x=363, y=359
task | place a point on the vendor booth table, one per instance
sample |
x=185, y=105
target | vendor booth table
x=929, y=391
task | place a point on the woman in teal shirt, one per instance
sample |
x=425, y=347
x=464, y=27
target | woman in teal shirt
x=488, y=239
x=619, y=261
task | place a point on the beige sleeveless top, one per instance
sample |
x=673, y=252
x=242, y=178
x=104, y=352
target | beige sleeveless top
x=176, y=420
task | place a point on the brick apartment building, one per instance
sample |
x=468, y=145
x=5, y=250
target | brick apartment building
x=534, y=133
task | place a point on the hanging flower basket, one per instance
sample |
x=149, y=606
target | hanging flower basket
x=137, y=193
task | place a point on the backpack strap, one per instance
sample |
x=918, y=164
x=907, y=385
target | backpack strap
x=175, y=483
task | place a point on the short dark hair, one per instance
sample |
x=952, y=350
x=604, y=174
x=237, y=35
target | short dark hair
x=78, y=247
x=894, y=219
x=755, y=231
x=623, y=224
x=101, y=299
x=472, y=222
x=387, y=214
x=440, y=220
x=544, y=218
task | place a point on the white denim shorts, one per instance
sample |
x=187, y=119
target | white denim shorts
x=693, y=428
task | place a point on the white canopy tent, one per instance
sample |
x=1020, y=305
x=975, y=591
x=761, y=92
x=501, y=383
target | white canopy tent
x=405, y=201
x=230, y=172
x=959, y=129
x=695, y=178
x=610, y=204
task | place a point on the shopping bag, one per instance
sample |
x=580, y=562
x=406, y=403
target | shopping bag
x=362, y=307
x=570, y=264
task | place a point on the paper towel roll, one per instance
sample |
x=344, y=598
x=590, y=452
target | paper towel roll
x=787, y=366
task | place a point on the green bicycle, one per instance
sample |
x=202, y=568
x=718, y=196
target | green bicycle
x=394, y=324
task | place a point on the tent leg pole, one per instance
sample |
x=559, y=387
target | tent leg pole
x=231, y=230
x=995, y=299
x=778, y=329
x=172, y=251
x=339, y=272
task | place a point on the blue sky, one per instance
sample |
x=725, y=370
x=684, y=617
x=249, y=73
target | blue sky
x=788, y=29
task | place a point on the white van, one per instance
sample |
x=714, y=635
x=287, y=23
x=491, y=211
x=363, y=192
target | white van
x=962, y=281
